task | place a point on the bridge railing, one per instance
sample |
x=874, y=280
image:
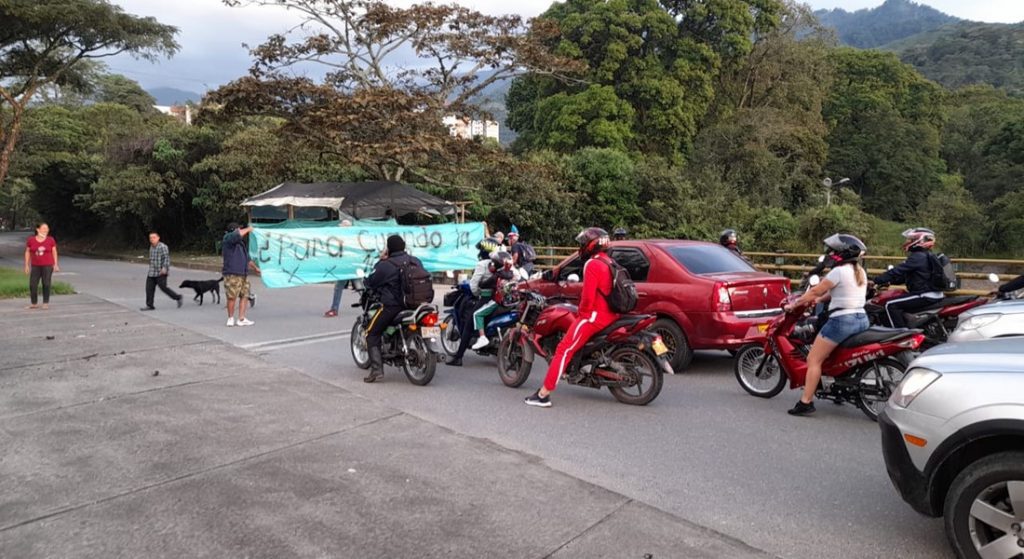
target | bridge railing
x=973, y=272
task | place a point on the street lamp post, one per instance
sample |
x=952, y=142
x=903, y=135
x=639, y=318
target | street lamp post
x=827, y=183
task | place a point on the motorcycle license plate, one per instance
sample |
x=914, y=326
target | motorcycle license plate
x=659, y=347
x=431, y=332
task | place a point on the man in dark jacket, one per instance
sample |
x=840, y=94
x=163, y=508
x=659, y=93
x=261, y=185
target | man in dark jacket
x=916, y=273
x=386, y=280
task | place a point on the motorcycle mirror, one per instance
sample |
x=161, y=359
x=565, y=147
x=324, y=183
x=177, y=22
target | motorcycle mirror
x=573, y=278
x=889, y=267
x=821, y=258
x=994, y=278
x=814, y=280
x=360, y=272
x=449, y=274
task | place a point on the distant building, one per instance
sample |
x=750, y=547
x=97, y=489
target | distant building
x=180, y=112
x=468, y=129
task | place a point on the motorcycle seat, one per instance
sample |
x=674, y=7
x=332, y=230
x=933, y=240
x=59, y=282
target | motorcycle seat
x=876, y=334
x=403, y=317
x=624, y=321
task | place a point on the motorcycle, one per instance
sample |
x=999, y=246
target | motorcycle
x=455, y=322
x=411, y=342
x=936, y=320
x=625, y=357
x=864, y=370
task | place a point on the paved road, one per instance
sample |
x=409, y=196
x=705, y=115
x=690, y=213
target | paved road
x=704, y=450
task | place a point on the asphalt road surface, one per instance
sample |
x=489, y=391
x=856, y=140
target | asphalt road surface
x=704, y=450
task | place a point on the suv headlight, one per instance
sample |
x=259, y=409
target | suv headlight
x=978, y=321
x=912, y=385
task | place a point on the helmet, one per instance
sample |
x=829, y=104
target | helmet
x=918, y=237
x=727, y=237
x=487, y=246
x=843, y=248
x=619, y=233
x=501, y=260
x=592, y=240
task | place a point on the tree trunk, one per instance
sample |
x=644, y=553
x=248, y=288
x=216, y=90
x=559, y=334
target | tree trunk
x=10, y=140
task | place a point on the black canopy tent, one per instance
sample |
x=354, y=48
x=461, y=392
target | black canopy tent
x=361, y=200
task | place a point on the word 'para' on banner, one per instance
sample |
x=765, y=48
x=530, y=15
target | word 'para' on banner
x=302, y=256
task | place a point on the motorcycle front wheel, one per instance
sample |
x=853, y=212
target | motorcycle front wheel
x=763, y=381
x=419, y=362
x=450, y=336
x=357, y=342
x=513, y=368
x=878, y=380
x=646, y=373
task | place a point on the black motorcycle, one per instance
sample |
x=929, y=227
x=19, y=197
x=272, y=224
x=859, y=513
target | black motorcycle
x=411, y=342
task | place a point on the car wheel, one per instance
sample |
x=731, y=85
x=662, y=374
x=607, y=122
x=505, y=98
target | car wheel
x=675, y=340
x=984, y=510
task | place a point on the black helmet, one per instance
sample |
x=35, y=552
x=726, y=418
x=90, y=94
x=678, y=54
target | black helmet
x=501, y=260
x=620, y=233
x=592, y=240
x=487, y=246
x=727, y=237
x=843, y=248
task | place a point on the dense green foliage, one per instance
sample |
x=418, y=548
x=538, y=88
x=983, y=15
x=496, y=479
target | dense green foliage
x=892, y=21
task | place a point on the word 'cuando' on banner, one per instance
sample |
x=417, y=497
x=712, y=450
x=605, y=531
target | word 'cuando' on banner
x=289, y=257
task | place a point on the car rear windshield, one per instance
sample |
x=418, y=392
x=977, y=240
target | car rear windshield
x=709, y=259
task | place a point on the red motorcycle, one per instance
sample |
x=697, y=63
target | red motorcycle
x=937, y=321
x=625, y=357
x=863, y=370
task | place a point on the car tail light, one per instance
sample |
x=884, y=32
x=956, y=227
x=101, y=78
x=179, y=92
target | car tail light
x=722, y=302
x=430, y=319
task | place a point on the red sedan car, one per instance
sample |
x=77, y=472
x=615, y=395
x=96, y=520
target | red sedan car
x=705, y=296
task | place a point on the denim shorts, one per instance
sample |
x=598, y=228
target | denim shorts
x=838, y=328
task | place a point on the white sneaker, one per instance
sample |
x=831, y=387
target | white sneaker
x=245, y=322
x=481, y=343
x=231, y=321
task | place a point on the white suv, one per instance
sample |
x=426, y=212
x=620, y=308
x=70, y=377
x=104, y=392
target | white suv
x=953, y=441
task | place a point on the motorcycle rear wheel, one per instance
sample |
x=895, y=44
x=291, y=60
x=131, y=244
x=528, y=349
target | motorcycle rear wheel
x=357, y=343
x=771, y=379
x=649, y=377
x=419, y=363
x=450, y=336
x=513, y=368
x=877, y=381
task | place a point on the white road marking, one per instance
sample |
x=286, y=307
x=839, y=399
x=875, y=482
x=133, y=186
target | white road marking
x=285, y=343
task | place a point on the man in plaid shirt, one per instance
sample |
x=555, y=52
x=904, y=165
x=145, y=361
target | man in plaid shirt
x=159, y=267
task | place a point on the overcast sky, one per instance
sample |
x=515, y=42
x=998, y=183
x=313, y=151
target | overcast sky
x=211, y=35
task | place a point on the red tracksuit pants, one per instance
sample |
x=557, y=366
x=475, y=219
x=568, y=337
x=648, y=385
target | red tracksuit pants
x=578, y=335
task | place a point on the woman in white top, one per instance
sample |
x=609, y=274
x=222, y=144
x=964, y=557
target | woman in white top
x=847, y=285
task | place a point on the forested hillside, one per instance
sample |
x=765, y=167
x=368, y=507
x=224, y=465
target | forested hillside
x=892, y=21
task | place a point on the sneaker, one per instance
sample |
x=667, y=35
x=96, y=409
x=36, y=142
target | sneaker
x=144, y=309
x=481, y=343
x=536, y=400
x=802, y=409
x=454, y=362
x=244, y=322
x=231, y=321
x=179, y=301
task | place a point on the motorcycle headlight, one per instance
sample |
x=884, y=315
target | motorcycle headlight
x=978, y=321
x=913, y=384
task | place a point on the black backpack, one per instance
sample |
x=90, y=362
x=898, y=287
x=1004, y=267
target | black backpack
x=417, y=284
x=528, y=254
x=942, y=274
x=623, y=297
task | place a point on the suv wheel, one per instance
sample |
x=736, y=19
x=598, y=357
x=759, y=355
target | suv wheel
x=985, y=508
x=675, y=339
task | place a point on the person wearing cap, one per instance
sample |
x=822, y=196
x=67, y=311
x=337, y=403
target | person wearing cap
x=386, y=280
x=236, y=272
x=339, y=286
x=520, y=252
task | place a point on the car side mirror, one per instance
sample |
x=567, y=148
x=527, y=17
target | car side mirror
x=814, y=280
x=573, y=278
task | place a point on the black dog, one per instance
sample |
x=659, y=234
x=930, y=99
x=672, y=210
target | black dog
x=203, y=286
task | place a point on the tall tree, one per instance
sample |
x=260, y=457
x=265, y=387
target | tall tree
x=44, y=42
x=373, y=108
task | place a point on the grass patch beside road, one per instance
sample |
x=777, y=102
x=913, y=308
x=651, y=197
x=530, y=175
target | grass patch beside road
x=14, y=284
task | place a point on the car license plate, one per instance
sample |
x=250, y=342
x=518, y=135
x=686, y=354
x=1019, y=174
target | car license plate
x=431, y=332
x=659, y=347
x=762, y=328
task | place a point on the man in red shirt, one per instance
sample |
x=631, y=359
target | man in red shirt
x=594, y=314
x=40, y=263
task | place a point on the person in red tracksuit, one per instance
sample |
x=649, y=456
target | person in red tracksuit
x=594, y=314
